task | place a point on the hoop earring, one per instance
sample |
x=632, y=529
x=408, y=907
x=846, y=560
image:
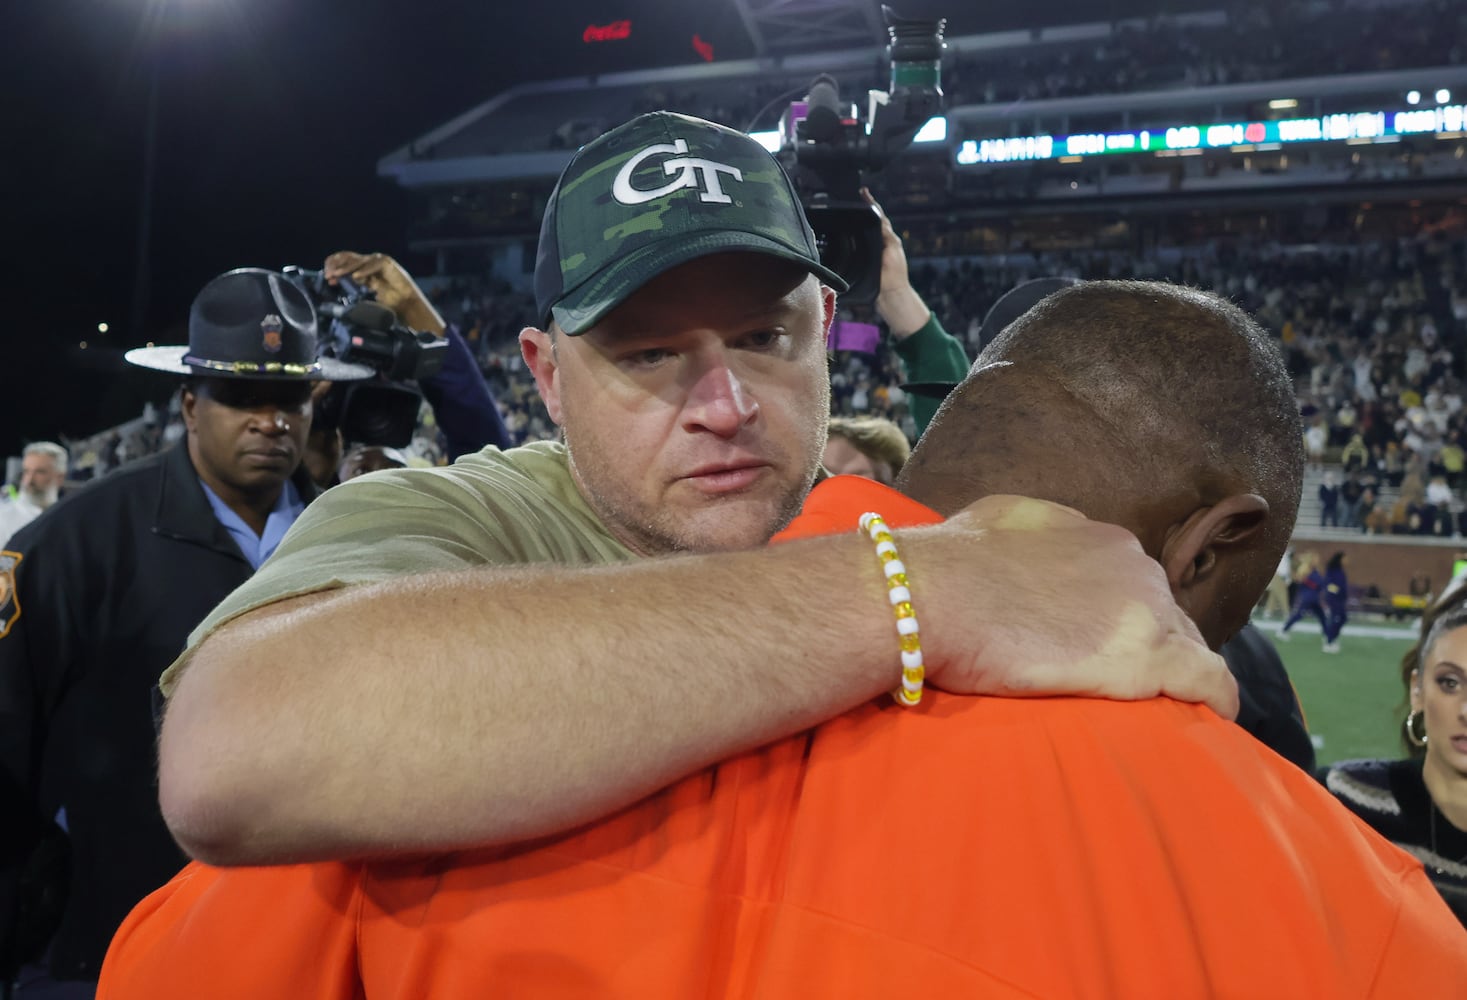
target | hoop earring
x=1416, y=741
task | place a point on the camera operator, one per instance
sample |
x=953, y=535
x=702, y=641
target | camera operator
x=461, y=399
x=100, y=593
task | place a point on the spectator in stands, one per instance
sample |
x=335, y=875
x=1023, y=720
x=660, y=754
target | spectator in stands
x=1373, y=521
x=1343, y=428
x=1316, y=438
x=1355, y=455
x=686, y=365
x=1451, y=460
x=1405, y=514
x=42, y=472
x=871, y=447
x=105, y=590
x=1329, y=502
x=1393, y=462
x=1351, y=490
x=1420, y=802
x=1439, y=495
x=757, y=878
x=1335, y=598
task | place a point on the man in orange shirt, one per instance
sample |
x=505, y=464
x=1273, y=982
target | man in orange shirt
x=971, y=846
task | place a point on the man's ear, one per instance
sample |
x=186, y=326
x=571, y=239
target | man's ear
x=827, y=299
x=187, y=402
x=538, y=349
x=1189, y=555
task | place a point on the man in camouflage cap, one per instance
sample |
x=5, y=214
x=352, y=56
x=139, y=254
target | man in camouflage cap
x=490, y=652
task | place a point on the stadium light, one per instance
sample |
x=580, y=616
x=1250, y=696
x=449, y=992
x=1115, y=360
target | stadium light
x=1413, y=97
x=101, y=327
x=1283, y=104
x=1443, y=96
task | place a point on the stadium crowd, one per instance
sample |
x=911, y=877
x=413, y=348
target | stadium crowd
x=1371, y=329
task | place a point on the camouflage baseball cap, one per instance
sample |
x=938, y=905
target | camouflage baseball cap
x=659, y=191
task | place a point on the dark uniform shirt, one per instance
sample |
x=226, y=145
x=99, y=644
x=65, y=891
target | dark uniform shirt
x=98, y=597
x=1268, y=707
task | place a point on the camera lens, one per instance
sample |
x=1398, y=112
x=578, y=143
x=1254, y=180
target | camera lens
x=916, y=51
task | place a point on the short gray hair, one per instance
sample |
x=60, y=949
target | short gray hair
x=51, y=449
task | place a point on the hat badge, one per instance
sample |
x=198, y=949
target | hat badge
x=270, y=327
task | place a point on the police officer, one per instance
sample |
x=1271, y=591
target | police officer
x=98, y=595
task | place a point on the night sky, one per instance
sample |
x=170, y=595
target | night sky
x=272, y=115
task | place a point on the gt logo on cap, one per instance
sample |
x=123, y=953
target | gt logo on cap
x=689, y=170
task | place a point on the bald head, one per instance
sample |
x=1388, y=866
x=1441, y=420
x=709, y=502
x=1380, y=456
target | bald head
x=1137, y=403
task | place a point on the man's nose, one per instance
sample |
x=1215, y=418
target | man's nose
x=273, y=420
x=719, y=402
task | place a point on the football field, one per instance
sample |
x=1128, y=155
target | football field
x=1353, y=699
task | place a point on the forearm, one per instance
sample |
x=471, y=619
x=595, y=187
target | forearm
x=903, y=310
x=488, y=707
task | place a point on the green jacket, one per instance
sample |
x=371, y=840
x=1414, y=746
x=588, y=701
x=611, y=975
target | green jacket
x=931, y=355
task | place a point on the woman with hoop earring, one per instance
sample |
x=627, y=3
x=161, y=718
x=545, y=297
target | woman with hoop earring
x=1420, y=802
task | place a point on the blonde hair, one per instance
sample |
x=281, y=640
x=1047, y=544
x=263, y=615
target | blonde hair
x=875, y=437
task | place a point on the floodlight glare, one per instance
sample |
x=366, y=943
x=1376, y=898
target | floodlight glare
x=1443, y=96
x=1413, y=97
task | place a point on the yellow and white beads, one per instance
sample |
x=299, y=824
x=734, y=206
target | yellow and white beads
x=910, y=691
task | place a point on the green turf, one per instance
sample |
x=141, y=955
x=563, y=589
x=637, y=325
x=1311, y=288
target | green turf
x=1352, y=698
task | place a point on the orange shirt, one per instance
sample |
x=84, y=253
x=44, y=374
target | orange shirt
x=986, y=847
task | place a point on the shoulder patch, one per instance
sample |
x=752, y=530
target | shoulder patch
x=9, y=602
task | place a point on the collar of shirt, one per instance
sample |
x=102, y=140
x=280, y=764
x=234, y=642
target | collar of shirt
x=257, y=548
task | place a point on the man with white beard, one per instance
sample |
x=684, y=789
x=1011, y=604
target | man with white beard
x=43, y=468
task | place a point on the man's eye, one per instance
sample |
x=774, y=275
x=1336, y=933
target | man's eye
x=651, y=356
x=762, y=339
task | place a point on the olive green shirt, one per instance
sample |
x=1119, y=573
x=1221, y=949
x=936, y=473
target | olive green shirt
x=493, y=508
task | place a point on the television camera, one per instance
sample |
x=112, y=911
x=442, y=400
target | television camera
x=826, y=148
x=382, y=411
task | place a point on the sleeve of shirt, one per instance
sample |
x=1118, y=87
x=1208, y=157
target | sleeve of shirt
x=462, y=403
x=931, y=355
x=371, y=529
x=37, y=642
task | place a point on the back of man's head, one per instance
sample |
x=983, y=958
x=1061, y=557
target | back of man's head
x=1137, y=403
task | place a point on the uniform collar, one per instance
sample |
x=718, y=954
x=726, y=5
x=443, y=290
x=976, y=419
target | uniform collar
x=183, y=511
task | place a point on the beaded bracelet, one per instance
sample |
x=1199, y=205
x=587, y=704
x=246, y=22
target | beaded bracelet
x=910, y=691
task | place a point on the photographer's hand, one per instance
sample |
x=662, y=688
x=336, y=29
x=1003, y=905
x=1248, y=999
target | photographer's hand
x=393, y=286
x=901, y=308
